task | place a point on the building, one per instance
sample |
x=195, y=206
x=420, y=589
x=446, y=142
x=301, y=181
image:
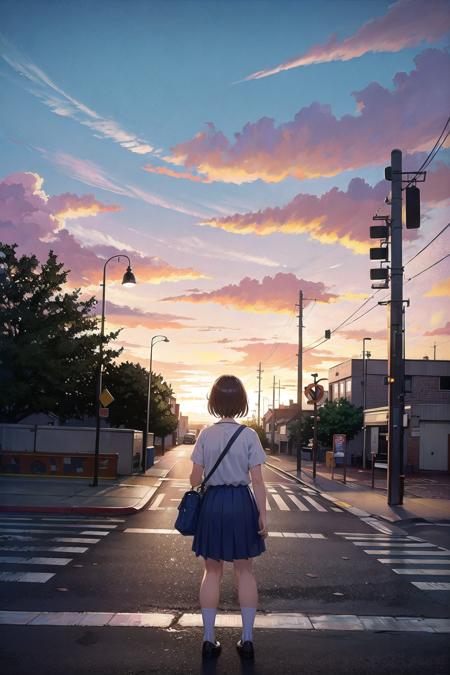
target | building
x=427, y=404
x=282, y=416
x=183, y=424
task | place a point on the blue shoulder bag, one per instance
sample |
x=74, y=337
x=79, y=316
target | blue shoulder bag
x=189, y=507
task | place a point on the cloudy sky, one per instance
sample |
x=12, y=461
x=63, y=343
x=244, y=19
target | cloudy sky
x=235, y=150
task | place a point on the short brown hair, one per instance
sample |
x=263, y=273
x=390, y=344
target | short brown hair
x=228, y=397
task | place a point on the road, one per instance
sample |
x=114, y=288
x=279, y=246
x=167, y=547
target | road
x=327, y=574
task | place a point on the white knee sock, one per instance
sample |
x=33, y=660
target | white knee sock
x=248, y=619
x=209, y=617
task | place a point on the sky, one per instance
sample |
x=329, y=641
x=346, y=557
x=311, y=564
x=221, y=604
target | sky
x=235, y=151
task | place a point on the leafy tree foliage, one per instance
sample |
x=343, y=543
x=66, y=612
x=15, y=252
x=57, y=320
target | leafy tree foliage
x=253, y=424
x=338, y=417
x=302, y=429
x=49, y=341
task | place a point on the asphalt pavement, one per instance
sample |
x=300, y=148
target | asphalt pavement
x=118, y=593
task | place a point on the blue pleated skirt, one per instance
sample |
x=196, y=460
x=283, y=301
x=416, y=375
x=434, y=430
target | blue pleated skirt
x=228, y=524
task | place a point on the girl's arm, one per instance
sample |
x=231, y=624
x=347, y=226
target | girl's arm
x=196, y=475
x=259, y=489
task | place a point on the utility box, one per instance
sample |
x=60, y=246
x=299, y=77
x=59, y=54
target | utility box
x=329, y=459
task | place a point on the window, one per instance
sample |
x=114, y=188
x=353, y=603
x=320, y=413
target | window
x=334, y=391
x=444, y=383
x=348, y=389
x=408, y=384
x=342, y=389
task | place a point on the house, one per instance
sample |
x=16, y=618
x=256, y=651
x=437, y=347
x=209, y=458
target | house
x=281, y=417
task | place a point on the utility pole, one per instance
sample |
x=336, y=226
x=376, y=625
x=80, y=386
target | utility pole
x=364, y=399
x=273, y=416
x=300, y=377
x=434, y=351
x=396, y=364
x=259, y=393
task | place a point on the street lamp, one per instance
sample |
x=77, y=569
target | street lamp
x=127, y=281
x=155, y=339
x=364, y=398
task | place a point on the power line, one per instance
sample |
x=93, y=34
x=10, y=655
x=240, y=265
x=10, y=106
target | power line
x=432, y=154
x=427, y=245
x=429, y=267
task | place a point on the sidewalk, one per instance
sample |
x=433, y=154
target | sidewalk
x=426, y=498
x=126, y=495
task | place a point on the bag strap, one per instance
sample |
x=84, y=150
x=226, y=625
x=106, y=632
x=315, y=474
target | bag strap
x=222, y=454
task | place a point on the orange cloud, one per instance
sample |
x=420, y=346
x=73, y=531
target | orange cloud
x=360, y=334
x=317, y=143
x=336, y=217
x=406, y=24
x=441, y=289
x=272, y=294
x=282, y=355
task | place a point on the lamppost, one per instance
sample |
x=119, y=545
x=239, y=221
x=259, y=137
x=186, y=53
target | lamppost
x=155, y=339
x=364, y=398
x=128, y=280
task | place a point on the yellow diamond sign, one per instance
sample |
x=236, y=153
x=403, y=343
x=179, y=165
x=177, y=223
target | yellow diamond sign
x=106, y=398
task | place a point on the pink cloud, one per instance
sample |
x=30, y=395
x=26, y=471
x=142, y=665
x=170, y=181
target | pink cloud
x=337, y=216
x=360, y=334
x=316, y=143
x=283, y=355
x=36, y=222
x=131, y=317
x=406, y=24
x=443, y=330
x=272, y=294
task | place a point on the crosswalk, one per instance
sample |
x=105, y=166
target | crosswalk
x=31, y=547
x=279, y=497
x=409, y=557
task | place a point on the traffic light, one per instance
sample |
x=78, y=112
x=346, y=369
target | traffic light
x=327, y=334
x=381, y=253
x=412, y=207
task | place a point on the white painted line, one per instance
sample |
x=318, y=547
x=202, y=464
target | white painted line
x=415, y=561
x=36, y=531
x=275, y=534
x=373, y=522
x=317, y=506
x=66, y=526
x=157, y=501
x=271, y=490
x=52, y=549
x=149, y=530
x=26, y=577
x=15, y=560
x=75, y=540
x=357, y=512
x=96, y=533
x=405, y=552
x=280, y=503
x=335, y=508
x=79, y=519
x=402, y=544
x=268, y=507
x=336, y=622
x=421, y=571
x=317, y=536
x=298, y=503
x=431, y=585
x=362, y=534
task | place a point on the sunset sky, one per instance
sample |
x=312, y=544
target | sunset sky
x=235, y=150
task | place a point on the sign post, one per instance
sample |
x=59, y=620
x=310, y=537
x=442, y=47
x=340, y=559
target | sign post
x=374, y=437
x=315, y=394
x=340, y=450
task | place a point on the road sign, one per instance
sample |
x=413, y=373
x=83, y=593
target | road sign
x=106, y=398
x=314, y=393
x=339, y=442
x=103, y=412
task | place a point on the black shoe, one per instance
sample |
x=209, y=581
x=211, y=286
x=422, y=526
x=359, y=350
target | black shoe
x=245, y=649
x=211, y=649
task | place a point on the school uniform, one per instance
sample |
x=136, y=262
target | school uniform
x=228, y=522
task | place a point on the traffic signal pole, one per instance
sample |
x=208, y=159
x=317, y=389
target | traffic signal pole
x=396, y=368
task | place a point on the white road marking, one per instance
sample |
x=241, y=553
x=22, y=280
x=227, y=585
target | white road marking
x=154, y=505
x=75, y=540
x=280, y=503
x=335, y=508
x=317, y=506
x=150, y=530
x=35, y=531
x=60, y=525
x=373, y=522
x=298, y=503
x=403, y=544
x=16, y=560
x=431, y=585
x=97, y=533
x=27, y=577
x=421, y=571
x=51, y=549
x=67, y=540
x=406, y=552
x=415, y=561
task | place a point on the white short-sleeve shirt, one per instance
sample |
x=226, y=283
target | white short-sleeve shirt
x=234, y=468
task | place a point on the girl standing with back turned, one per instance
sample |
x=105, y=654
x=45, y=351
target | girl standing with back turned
x=232, y=523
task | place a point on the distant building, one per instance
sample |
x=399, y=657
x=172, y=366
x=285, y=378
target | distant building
x=282, y=416
x=427, y=403
x=183, y=424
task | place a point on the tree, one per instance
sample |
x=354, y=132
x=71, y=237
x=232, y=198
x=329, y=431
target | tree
x=301, y=430
x=49, y=341
x=128, y=383
x=338, y=417
x=253, y=424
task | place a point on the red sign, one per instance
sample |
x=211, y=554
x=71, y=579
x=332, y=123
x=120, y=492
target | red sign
x=104, y=412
